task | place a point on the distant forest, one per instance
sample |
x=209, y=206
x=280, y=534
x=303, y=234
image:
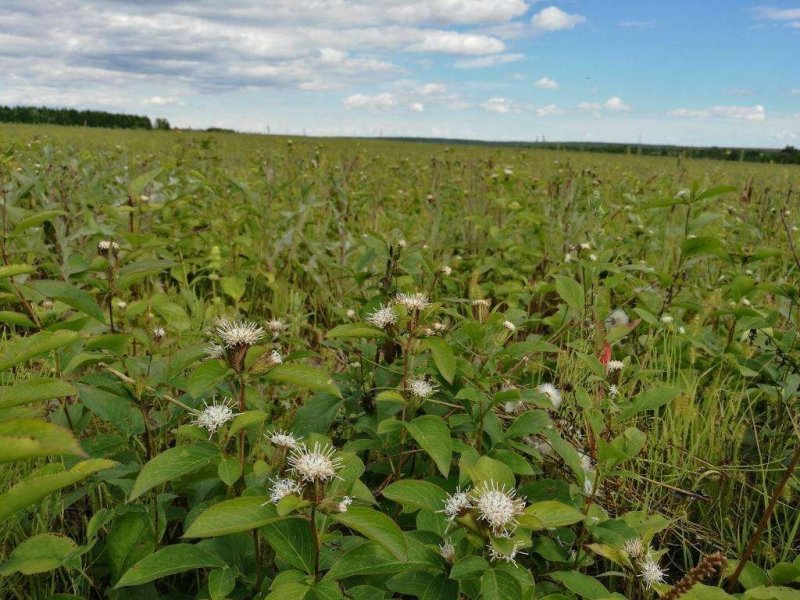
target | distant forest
x=788, y=155
x=83, y=118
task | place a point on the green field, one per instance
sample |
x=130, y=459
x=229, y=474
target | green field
x=657, y=298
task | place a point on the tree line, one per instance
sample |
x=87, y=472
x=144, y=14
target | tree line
x=83, y=118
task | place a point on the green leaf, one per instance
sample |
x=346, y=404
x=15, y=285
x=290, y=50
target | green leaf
x=317, y=415
x=499, y=585
x=221, y=582
x=12, y=270
x=130, y=539
x=441, y=588
x=416, y=494
x=137, y=186
x=293, y=542
x=10, y=317
x=571, y=292
x=528, y=423
x=173, y=463
x=707, y=592
x=34, y=390
x=23, y=349
x=229, y=470
x=650, y=400
x=580, y=584
x=39, y=554
x=703, y=245
x=443, y=357
x=375, y=526
x=176, y=558
x=27, y=438
x=233, y=516
x=470, y=567
x=246, y=419
x=371, y=559
x=32, y=490
x=36, y=219
x=69, y=295
x=548, y=514
x=355, y=330
x=234, y=287
x=433, y=436
x=206, y=376
x=490, y=470
x=304, y=376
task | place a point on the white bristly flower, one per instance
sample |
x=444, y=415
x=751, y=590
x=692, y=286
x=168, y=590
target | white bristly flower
x=586, y=246
x=448, y=551
x=617, y=318
x=498, y=506
x=402, y=243
x=213, y=416
x=382, y=317
x=482, y=302
x=214, y=351
x=510, y=326
x=666, y=319
x=511, y=557
x=276, y=327
x=315, y=464
x=551, y=391
x=238, y=333
x=415, y=301
x=104, y=246
x=613, y=390
x=568, y=258
x=615, y=365
x=282, y=488
x=158, y=333
x=634, y=548
x=282, y=439
x=456, y=504
x=652, y=573
x=514, y=406
x=593, y=257
x=351, y=314
x=447, y=271
x=422, y=387
x=344, y=503
x=275, y=358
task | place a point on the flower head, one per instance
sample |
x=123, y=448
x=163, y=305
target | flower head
x=158, y=333
x=238, y=333
x=276, y=327
x=382, y=317
x=213, y=416
x=422, y=387
x=105, y=247
x=416, y=301
x=344, y=503
x=447, y=271
x=510, y=326
x=652, y=573
x=282, y=439
x=315, y=464
x=448, y=551
x=634, y=548
x=214, y=351
x=456, y=504
x=282, y=488
x=617, y=318
x=615, y=365
x=496, y=554
x=351, y=314
x=666, y=319
x=613, y=390
x=498, y=506
x=552, y=393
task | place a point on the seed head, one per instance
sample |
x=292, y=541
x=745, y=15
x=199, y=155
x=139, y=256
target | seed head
x=315, y=464
x=158, y=333
x=510, y=326
x=214, y=351
x=552, y=393
x=497, y=506
x=617, y=318
x=276, y=327
x=447, y=271
x=613, y=390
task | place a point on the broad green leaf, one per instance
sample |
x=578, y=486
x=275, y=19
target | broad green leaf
x=433, y=436
x=375, y=526
x=176, y=558
x=229, y=470
x=488, y=470
x=221, y=582
x=416, y=494
x=703, y=245
x=292, y=541
x=138, y=185
x=129, y=540
x=317, y=414
x=499, y=585
x=27, y=438
x=173, y=463
x=528, y=423
x=233, y=516
x=548, y=514
x=234, y=287
x=650, y=400
x=34, y=390
x=10, y=317
x=443, y=357
x=206, y=376
x=12, y=270
x=470, y=567
x=355, y=330
x=23, y=349
x=571, y=292
x=39, y=554
x=69, y=295
x=304, y=376
x=706, y=592
x=440, y=588
x=580, y=584
x=32, y=490
x=246, y=419
x=36, y=219
x=371, y=559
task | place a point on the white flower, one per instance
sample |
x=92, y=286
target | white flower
x=514, y=406
x=666, y=319
x=448, y=551
x=351, y=314
x=613, y=390
x=382, y=317
x=456, y=504
x=275, y=358
x=415, y=301
x=315, y=464
x=745, y=302
x=634, y=548
x=681, y=330
x=496, y=554
x=214, y=351
x=122, y=305
x=275, y=327
x=238, y=333
x=615, y=365
x=593, y=257
x=402, y=243
x=158, y=333
x=214, y=416
x=652, y=572
x=510, y=326
x=498, y=507
x=282, y=488
x=482, y=302
x=586, y=246
x=106, y=245
x=568, y=258
x=508, y=171
x=282, y=439
x=683, y=193
x=617, y=318
x=344, y=503
x=447, y=271
x=551, y=391
x=422, y=387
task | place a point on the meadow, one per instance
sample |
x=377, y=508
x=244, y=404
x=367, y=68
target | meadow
x=240, y=366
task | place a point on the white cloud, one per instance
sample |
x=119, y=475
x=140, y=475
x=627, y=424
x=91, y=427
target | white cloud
x=736, y=113
x=616, y=103
x=458, y=11
x=417, y=107
x=637, y=24
x=501, y=106
x=593, y=106
x=549, y=111
x=383, y=101
x=161, y=101
x=795, y=92
x=430, y=89
x=545, y=83
x=488, y=61
x=553, y=18
x=778, y=14
x=454, y=42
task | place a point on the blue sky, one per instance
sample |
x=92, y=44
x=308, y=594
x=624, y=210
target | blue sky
x=678, y=71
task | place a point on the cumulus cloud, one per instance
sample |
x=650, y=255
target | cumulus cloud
x=590, y=106
x=553, y=18
x=417, y=106
x=501, y=106
x=383, y=101
x=161, y=101
x=736, y=113
x=545, y=83
x=454, y=42
x=549, y=111
x=616, y=103
x=458, y=11
x=488, y=61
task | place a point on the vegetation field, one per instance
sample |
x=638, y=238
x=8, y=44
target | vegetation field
x=239, y=366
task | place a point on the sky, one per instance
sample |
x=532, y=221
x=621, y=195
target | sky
x=691, y=72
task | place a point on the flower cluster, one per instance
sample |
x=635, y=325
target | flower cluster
x=214, y=416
